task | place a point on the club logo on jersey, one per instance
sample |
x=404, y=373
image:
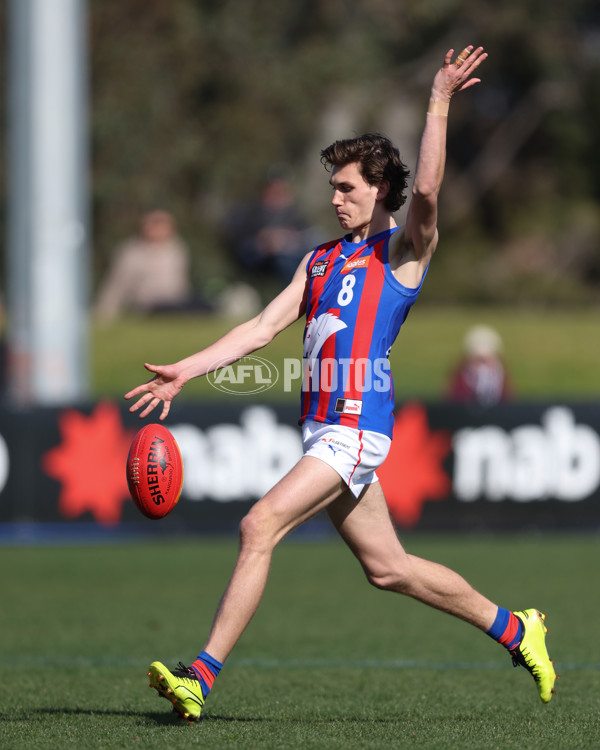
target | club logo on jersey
x=319, y=268
x=348, y=406
x=351, y=265
x=318, y=331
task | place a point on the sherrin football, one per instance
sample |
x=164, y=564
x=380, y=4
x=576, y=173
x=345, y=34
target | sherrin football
x=154, y=471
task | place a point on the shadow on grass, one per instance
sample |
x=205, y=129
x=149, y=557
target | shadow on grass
x=323, y=720
x=163, y=718
x=158, y=717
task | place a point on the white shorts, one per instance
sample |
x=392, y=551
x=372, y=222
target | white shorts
x=354, y=454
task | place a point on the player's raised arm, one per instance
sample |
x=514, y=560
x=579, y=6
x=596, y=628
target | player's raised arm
x=240, y=341
x=421, y=221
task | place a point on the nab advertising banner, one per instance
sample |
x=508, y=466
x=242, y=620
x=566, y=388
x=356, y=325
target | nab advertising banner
x=518, y=467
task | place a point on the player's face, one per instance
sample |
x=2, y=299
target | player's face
x=354, y=199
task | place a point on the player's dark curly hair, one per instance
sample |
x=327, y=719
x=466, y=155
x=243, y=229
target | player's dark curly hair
x=378, y=160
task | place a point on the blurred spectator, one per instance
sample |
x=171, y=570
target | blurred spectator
x=149, y=273
x=481, y=376
x=270, y=235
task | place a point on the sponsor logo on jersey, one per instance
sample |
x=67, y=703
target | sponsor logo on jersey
x=319, y=268
x=350, y=265
x=348, y=406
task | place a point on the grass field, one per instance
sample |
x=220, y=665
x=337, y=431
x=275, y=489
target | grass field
x=550, y=353
x=327, y=662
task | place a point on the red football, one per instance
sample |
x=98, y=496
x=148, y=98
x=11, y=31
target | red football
x=154, y=471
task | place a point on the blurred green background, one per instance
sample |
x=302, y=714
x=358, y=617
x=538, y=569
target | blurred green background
x=551, y=354
x=193, y=102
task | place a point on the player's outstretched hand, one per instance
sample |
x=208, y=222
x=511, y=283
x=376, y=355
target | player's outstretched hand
x=457, y=76
x=164, y=386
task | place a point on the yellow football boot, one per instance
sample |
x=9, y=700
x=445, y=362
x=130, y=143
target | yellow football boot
x=531, y=652
x=180, y=686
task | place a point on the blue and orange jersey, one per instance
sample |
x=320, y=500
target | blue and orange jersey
x=355, y=308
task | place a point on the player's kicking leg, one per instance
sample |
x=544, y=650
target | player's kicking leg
x=365, y=526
